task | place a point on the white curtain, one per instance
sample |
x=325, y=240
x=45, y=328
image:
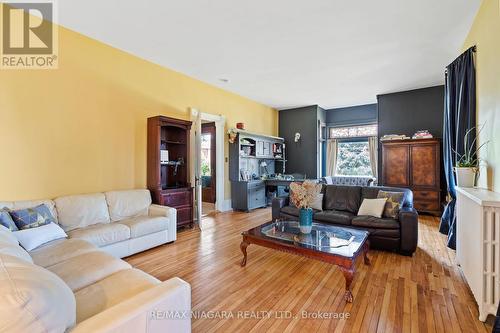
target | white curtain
x=331, y=157
x=373, y=148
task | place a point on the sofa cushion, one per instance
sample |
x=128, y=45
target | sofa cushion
x=343, y=198
x=102, y=234
x=374, y=222
x=334, y=217
x=110, y=291
x=290, y=210
x=145, y=225
x=382, y=233
x=33, y=299
x=60, y=250
x=88, y=268
x=14, y=250
x=79, y=211
x=126, y=204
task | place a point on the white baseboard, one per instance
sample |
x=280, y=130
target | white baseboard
x=226, y=206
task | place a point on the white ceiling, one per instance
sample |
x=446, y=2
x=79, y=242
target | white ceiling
x=287, y=53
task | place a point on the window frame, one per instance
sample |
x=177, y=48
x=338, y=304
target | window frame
x=330, y=128
x=352, y=139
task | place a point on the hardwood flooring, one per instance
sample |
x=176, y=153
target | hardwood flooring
x=423, y=293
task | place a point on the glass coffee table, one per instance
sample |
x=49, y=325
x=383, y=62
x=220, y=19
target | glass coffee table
x=332, y=244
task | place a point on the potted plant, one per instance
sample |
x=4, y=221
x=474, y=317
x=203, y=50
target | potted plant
x=302, y=196
x=467, y=166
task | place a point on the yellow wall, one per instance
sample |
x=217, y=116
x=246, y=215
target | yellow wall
x=82, y=128
x=485, y=33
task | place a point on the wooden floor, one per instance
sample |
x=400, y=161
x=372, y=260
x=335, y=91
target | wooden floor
x=423, y=293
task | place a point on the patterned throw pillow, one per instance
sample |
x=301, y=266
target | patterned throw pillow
x=32, y=217
x=6, y=220
x=393, y=204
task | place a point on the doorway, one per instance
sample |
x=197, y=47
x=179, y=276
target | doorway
x=221, y=204
x=208, y=167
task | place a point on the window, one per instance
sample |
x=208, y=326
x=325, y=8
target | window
x=353, y=159
x=353, y=152
x=353, y=131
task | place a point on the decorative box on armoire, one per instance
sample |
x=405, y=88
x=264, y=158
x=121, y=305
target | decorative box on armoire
x=168, y=166
x=414, y=164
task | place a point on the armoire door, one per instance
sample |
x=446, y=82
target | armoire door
x=424, y=159
x=396, y=160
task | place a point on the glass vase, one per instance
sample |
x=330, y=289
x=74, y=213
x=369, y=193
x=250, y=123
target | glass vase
x=305, y=220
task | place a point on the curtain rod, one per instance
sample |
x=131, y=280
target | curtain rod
x=474, y=49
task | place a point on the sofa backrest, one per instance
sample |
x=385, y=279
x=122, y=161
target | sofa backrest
x=344, y=198
x=127, y=204
x=33, y=298
x=349, y=198
x=79, y=211
x=371, y=192
x=15, y=205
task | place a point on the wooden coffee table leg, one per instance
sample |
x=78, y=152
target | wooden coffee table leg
x=366, y=248
x=243, y=247
x=349, y=276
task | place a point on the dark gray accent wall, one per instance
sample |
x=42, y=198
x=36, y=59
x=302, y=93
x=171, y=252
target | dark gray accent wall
x=352, y=115
x=301, y=156
x=409, y=111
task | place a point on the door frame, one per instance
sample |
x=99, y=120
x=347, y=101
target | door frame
x=220, y=123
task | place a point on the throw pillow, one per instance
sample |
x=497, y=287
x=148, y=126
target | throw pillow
x=32, y=217
x=372, y=207
x=393, y=204
x=6, y=220
x=32, y=238
x=318, y=202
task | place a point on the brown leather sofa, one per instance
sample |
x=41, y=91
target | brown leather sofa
x=341, y=205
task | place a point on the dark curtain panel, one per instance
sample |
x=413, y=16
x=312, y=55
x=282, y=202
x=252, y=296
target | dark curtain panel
x=459, y=117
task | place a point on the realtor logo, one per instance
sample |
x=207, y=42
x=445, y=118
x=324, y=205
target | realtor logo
x=29, y=37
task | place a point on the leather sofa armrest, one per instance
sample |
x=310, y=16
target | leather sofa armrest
x=277, y=204
x=163, y=308
x=408, y=220
x=171, y=213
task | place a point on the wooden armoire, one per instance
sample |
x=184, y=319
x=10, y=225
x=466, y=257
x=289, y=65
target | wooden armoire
x=414, y=164
x=168, y=166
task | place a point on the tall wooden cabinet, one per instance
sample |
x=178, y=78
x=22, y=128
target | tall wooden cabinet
x=414, y=164
x=168, y=166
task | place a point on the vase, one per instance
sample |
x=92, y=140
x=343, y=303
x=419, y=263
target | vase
x=465, y=177
x=305, y=220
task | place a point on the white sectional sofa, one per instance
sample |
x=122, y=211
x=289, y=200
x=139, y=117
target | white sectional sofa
x=119, y=222
x=78, y=284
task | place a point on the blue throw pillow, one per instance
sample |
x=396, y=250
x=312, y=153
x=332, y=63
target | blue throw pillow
x=32, y=217
x=6, y=220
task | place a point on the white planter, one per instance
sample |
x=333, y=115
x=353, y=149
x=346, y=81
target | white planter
x=465, y=177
